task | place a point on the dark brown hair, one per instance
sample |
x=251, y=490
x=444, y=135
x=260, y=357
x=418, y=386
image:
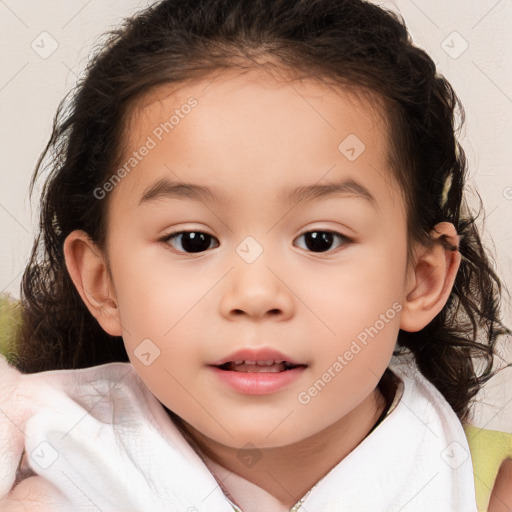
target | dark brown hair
x=346, y=42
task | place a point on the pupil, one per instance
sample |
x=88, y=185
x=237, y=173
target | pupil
x=195, y=242
x=319, y=240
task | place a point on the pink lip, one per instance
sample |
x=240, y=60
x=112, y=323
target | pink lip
x=257, y=383
x=256, y=354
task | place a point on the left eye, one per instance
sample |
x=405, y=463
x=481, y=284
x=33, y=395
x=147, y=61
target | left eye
x=191, y=241
x=320, y=241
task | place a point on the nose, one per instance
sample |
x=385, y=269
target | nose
x=258, y=291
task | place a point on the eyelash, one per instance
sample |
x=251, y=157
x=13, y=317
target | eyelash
x=346, y=240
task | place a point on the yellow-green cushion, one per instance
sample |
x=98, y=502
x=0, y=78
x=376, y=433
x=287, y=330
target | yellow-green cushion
x=489, y=448
x=9, y=324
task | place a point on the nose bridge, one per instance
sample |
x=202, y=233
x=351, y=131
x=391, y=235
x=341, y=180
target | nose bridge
x=254, y=287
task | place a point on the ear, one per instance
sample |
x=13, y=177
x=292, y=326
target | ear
x=89, y=272
x=431, y=279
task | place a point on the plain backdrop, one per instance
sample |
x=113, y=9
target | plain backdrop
x=45, y=44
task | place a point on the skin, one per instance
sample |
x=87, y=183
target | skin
x=250, y=138
x=501, y=497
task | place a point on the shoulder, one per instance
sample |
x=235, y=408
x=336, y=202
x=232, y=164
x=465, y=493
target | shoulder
x=501, y=496
x=491, y=454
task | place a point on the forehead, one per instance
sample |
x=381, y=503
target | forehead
x=228, y=93
x=251, y=122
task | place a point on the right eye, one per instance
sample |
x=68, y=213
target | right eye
x=190, y=241
x=319, y=240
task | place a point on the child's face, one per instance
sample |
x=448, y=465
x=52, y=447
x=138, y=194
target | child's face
x=258, y=281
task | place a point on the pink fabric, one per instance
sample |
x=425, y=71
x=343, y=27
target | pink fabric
x=95, y=439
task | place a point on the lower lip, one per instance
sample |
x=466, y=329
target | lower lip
x=258, y=383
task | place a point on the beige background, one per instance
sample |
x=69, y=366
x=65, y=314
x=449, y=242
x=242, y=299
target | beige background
x=470, y=42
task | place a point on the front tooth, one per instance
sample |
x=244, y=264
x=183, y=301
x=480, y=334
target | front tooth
x=266, y=363
x=272, y=369
x=249, y=362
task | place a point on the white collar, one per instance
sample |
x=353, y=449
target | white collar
x=100, y=430
x=415, y=459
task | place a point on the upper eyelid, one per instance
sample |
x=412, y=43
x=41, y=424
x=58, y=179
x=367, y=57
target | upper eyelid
x=181, y=231
x=174, y=234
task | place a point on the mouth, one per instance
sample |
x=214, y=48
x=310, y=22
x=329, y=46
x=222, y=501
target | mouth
x=257, y=371
x=257, y=360
x=267, y=366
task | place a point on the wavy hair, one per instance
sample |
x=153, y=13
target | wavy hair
x=352, y=43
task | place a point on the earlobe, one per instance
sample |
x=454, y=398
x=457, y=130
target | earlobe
x=89, y=272
x=431, y=280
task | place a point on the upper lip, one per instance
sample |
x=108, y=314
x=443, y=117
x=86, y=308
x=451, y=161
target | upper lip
x=255, y=354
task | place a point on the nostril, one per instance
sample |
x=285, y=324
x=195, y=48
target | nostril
x=271, y=312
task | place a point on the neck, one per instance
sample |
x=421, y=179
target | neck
x=288, y=472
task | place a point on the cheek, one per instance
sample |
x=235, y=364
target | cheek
x=159, y=306
x=359, y=306
x=153, y=296
x=376, y=274
x=367, y=284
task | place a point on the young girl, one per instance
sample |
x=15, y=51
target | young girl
x=258, y=285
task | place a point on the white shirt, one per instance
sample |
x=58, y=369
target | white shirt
x=97, y=439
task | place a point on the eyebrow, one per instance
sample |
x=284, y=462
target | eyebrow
x=165, y=189
x=347, y=187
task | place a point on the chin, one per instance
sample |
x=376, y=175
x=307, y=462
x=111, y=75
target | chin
x=244, y=432
x=256, y=437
